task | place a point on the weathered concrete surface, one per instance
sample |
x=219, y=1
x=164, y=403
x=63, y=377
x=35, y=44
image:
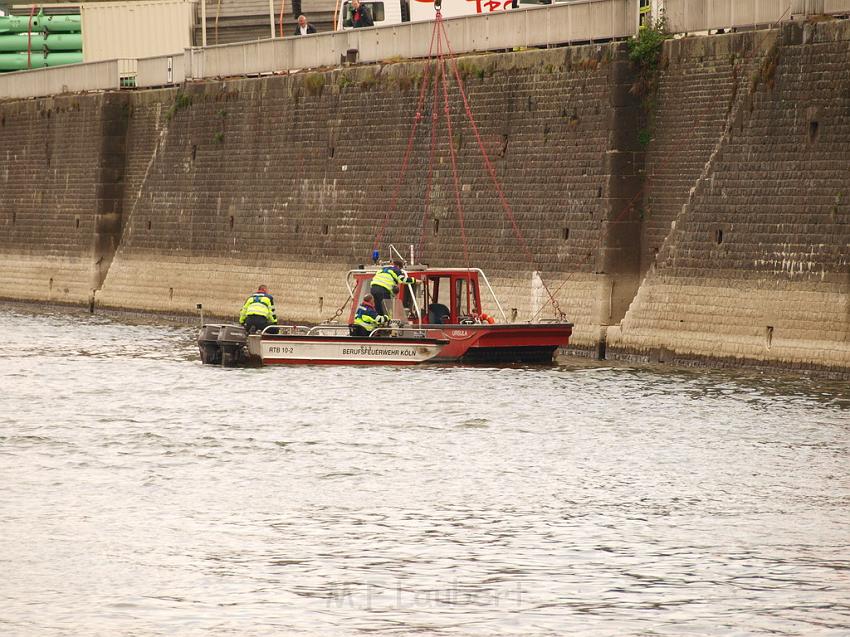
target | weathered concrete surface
x=196, y=196
x=756, y=266
x=49, y=163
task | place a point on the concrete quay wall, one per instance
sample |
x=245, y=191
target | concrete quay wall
x=287, y=180
x=747, y=243
x=159, y=200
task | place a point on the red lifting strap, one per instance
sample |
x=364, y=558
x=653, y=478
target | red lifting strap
x=440, y=89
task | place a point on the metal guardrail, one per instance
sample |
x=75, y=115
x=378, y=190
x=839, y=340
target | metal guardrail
x=579, y=21
x=689, y=16
x=584, y=21
x=163, y=70
x=684, y=16
x=72, y=78
x=832, y=7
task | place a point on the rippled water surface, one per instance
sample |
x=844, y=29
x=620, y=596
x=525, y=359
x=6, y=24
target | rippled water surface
x=142, y=493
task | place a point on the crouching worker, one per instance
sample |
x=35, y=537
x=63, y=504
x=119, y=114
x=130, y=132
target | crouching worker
x=385, y=284
x=258, y=311
x=367, y=318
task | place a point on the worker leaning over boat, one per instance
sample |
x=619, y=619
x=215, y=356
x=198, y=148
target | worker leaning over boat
x=367, y=318
x=386, y=282
x=258, y=312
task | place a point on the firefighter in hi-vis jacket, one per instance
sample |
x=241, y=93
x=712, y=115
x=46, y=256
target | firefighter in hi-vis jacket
x=258, y=311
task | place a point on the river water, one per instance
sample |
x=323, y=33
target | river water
x=142, y=493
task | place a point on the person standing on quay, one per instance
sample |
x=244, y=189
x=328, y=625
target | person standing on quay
x=303, y=27
x=360, y=15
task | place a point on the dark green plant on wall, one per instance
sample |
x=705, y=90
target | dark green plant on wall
x=314, y=83
x=645, y=51
x=181, y=101
x=645, y=47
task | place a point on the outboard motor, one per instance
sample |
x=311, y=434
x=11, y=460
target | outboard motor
x=208, y=344
x=233, y=341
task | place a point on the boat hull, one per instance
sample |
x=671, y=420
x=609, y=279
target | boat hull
x=501, y=343
x=283, y=349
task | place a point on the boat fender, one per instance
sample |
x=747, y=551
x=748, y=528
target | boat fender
x=486, y=318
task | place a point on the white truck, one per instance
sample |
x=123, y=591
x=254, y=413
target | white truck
x=385, y=12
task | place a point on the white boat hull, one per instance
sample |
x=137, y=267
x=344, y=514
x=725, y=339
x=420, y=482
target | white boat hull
x=346, y=350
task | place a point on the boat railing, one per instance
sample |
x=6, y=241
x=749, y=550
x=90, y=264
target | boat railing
x=279, y=329
x=398, y=331
x=394, y=329
x=413, y=289
x=492, y=293
x=332, y=330
x=303, y=330
x=418, y=312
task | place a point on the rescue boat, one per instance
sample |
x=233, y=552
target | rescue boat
x=445, y=304
x=436, y=319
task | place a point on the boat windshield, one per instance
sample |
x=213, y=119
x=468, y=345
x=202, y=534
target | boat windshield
x=448, y=299
x=465, y=300
x=438, y=306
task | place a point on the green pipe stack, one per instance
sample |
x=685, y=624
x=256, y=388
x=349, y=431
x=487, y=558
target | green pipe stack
x=39, y=41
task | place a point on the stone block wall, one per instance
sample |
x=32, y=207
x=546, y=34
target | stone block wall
x=49, y=157
x=288, y=181
x=712, y=226
x=757, y=265
x=702, y=85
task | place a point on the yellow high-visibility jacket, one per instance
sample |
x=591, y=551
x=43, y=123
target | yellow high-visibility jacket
x=391, y=277
x=259, y=304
